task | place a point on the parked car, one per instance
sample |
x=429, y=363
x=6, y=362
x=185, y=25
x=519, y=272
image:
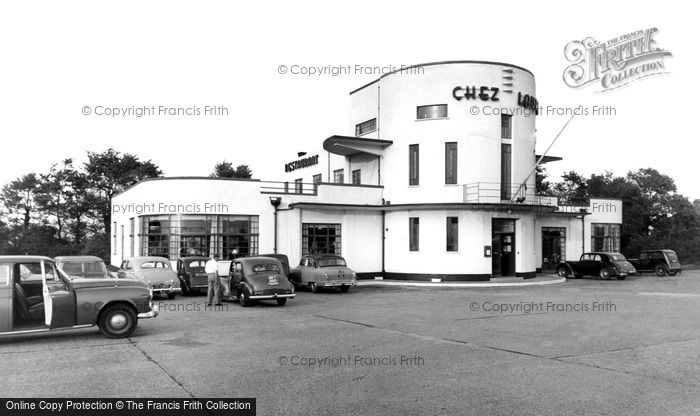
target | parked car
x=190, y=271
x=283, y=259
x=605, y=265
x=661, y=262
x=38, y=296
x=256, y=278
x=323, y=270
x=155, y=272
x=83, y=267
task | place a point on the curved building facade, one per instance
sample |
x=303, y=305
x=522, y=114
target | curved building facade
x=433, y=177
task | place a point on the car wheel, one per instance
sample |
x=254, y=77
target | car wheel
x=244, y=298
x=118, y=321
x=660, y=270
x=578, y=275
x=563, y=272
x=344, y=288
x=314, y=287
x=605, y=274
x=281, y=301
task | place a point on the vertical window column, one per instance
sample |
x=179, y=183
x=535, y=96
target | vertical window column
x=413, y=233
x=452, y=234
x=413, y=165
x=450, y=163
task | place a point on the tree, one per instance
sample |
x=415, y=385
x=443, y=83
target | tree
x=573, y=190
x=111, y=172
x=225, y=169
x=19, y=198
x=542, y=185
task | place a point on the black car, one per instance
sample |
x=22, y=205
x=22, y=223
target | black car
x=256, y=278
x=282, y=258
x=190, y=271
x=605, y=265
x=661, y=262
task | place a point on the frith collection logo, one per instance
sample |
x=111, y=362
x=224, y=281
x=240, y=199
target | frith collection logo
x=615, y=63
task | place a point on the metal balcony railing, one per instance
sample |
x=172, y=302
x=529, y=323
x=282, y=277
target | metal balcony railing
x=291, y=188
x=494, y=193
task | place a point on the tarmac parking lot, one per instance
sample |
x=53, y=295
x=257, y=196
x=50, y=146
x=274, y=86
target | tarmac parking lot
x=586, y=346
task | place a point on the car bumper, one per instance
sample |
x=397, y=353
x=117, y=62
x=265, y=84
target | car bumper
x=336, y=283
x=150, y=314
x=167, y=290
x=274, y=296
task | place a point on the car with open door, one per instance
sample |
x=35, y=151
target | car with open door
x=156, y=272
x=193, y=277
x=38, y=296
x=318, y=271
x=256, y=278
x=91, y=267
x=605, y=265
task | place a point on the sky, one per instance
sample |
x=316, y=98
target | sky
x=61, y=57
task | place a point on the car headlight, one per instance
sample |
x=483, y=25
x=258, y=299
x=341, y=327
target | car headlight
x=326, y=275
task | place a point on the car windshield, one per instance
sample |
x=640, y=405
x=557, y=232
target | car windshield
x=197, y=264
x=618, y=257
x=85, y=269
x=155, y=265
x=331, y=261
x=671, y=256
x=266, y=267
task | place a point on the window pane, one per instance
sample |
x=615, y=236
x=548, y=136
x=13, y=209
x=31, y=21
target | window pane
x=452, y=233
x=366, y=127
x=451, y=163
x=506, y=121
x=356, y=180
x=431, y=111
x=413, y=164
x=321, y=238
x=413, y=230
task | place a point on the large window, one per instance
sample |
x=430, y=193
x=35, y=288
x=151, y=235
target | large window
x=605, y=237
x=452, y=234
x=338, y=176
x=317, y=179
x=431, y=111
x=356, y=179
x=506, y=126
x=413, y=233
x=177, y=236
x=413, y=162
x=366, y=127
x=321, y=238
x=451, y=163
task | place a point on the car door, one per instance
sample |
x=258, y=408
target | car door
x=5, y=297
x=303, y=272
x=584, y=264
x=59, y=300
x=237, y=277
x=127, y=270
x=596, y=265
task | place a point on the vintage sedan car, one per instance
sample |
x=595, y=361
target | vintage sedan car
x=256, y=278
x=605, y=265
x=155, y=272
x=323, y=270
x=190, y=271
x=38, y=296
x=91, y=267
x=661, y=262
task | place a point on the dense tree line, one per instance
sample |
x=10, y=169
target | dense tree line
x=67, y=210
x=654, y=214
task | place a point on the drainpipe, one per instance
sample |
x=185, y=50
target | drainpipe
x=383, y=239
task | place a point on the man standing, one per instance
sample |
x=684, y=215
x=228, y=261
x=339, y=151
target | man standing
x=213, y=291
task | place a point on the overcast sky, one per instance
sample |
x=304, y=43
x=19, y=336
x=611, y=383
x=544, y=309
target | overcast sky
x=58, y=57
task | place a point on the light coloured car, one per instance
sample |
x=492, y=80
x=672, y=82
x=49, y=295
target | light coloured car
x=156, y=272
x=318, y=271
x=91, y=267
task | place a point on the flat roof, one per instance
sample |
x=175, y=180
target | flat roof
x=443, y=63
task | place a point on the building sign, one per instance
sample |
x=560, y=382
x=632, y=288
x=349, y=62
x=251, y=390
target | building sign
x=615, y=63
x=472, y=93
x=529, y=102
x=301, y=163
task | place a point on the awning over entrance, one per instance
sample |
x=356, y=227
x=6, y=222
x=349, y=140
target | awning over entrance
x=349, y=146
x=548, y=159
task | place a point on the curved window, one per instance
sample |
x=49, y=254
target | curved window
x=431, y=111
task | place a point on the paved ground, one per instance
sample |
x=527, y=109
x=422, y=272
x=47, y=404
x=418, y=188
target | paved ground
x=636, y=353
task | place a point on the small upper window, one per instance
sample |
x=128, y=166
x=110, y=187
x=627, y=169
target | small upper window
x=506, y=126
x=366, y=127
x=338, y=176
x=431, y=111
